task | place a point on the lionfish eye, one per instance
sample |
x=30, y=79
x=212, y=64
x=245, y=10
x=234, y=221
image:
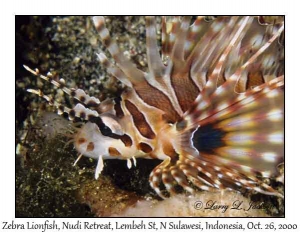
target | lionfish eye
x=111, y=124
x=106, y=131
x=107, y=124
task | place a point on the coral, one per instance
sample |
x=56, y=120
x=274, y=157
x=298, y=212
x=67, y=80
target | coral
x=190, y=206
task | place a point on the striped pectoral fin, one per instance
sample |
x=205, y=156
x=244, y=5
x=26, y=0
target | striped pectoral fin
x=240, y=73
x=155, y=177
x=186, y=71
x=238, y=33
x=208, y=172
x=234, y=176
x=265, y=67
x=166, y=176
x=182, y=173
x=225, y=103
x=256, y=122
x=209, y=48
x=245, y=144
x=243, y=138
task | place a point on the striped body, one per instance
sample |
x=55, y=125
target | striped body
x=213, y=111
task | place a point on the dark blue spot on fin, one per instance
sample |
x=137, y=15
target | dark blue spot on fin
x=207, y=138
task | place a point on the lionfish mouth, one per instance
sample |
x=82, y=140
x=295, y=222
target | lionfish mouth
x=210, y=105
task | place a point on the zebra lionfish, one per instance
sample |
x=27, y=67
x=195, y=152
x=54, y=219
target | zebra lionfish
x=210, y=106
